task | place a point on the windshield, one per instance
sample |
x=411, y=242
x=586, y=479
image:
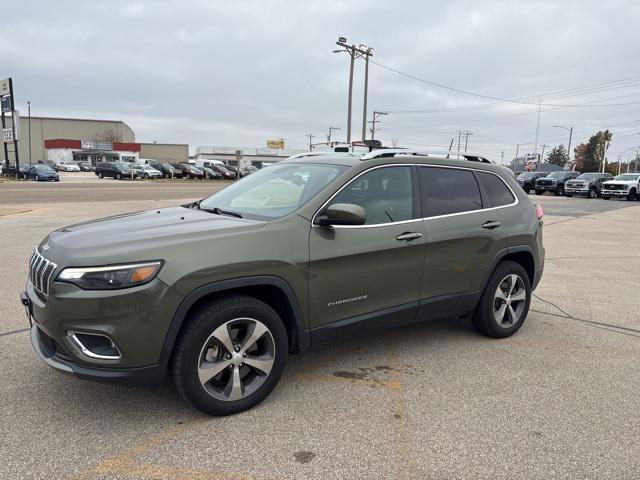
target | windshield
x=628, y=176
x=557, y=174
x=44, y=169
x=526, y=175
x=274, y=191
x=588, y=176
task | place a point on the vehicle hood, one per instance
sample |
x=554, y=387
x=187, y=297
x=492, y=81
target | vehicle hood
x=620, y=182
x=139, y=236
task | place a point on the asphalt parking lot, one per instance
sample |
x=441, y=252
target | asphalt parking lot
x=557, y=400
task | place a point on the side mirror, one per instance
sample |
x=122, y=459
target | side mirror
x=342, y=214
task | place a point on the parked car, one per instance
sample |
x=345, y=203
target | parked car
x=248, y=170
x=625, y=185
x=11, y=171
x=117, y=170
x=86, y=167
x=589, y=184
x=554, y=182
x=211, y=174
x=226, y=173
x=41, y=173
x=233, y=169
x=65, y=166
x=146, y=171
x=189, y=171
x=166, y=169
x=171, y=171
x=50, y=163
x=134, y=296
x=527, y=180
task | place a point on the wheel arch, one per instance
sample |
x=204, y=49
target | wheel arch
x=521, y=254
x=274, y=291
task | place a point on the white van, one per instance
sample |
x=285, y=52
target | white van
x=206, y=162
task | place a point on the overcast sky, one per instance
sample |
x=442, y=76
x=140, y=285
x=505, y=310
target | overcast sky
x=236, y=73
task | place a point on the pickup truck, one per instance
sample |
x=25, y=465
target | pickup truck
x=624, y=185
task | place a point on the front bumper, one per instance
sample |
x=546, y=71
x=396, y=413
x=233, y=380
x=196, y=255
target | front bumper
x=576, y=190
x=136, y=320
x=615, y=193
x=546, y=188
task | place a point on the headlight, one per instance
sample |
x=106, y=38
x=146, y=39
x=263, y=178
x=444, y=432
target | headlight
x=112, y=277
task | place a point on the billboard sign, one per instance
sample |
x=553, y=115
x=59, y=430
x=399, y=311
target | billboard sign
x=7, y=135
x=4, y=87
x=276, y=143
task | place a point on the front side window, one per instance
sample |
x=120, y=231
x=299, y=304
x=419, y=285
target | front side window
x=275, y=191
x=448, y=190
x=498, y=193
x=386, y=194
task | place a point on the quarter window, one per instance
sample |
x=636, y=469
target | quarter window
x=386, y=194
x=498, y=193
x=448, y=190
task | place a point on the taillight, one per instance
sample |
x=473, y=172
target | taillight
x=539, y=212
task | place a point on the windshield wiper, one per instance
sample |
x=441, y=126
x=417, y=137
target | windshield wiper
x=219, y=211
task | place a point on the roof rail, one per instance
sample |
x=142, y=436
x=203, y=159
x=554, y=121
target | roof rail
x=399, y=152
x=317, y=154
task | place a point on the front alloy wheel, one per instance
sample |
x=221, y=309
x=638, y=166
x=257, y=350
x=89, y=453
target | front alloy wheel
x=509, y=301
x=230, y=355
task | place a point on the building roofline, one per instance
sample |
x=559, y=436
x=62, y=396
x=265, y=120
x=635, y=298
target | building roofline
x=160, y=143
x=77, y=119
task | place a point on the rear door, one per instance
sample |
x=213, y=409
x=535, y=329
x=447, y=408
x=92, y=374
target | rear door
x=373, y=270
x=465, y=232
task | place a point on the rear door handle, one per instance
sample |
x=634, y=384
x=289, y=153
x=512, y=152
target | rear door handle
x=491, y=224
x=408, y=236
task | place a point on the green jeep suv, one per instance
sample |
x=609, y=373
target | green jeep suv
x=315, y=247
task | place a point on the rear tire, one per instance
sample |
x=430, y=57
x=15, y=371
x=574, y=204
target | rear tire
x=504, y=304
x=118, y=176
x=238, y=382
x=100, y=175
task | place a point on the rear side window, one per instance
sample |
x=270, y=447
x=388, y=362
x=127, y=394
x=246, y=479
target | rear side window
x=448, y=190
x=498, y=193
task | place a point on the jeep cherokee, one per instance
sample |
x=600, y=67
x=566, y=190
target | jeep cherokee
x=316, y=248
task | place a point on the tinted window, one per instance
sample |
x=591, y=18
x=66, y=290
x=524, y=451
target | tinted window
x=386, y=195
x=498, y=193
x=447, y=190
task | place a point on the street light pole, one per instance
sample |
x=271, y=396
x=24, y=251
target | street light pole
x=373, y=122
x=368, y=52
x=29, y=122
x=570, y=130
x=331, y=129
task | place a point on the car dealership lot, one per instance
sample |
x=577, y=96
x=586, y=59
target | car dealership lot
x=557, y=400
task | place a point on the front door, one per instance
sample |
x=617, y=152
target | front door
x=465, y=233
x=369, y=274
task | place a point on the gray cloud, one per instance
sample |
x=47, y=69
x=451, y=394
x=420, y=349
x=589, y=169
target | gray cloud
x=237, y=73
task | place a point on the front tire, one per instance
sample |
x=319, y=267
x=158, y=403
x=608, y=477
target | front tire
x=504, y=304
x=118, y=176
x=632, y=195
x=100, y=175
x=593, y=193
x=559, y=191
x=539, y=192
x=230, y=356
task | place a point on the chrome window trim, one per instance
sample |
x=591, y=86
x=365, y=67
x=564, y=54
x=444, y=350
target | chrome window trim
x=471, y=169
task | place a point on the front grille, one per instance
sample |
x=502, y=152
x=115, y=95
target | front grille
x=576, y=184
x=41, y=272
x=614, y=187
x=545, y=183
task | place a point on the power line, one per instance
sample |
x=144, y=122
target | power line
x=466, y=92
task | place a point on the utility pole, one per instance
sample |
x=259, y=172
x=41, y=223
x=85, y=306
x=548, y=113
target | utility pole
x=619, y=163
x=29, y=113
x=331, y=129
x=535, y=150
x=354, y=52
x=368, y=52
x=459, y=135
x=310, y=135
x=376, y=115
x=466, y=139
x=502, y=158
x=605, y=147
x=544, y=145
x=570, y=130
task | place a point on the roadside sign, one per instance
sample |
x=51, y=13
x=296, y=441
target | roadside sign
x=4, y=87
x=15, y=118
x=6, y=104
x=7, y=135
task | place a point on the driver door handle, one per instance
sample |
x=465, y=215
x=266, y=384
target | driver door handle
x=491, y=224
x=409, y=236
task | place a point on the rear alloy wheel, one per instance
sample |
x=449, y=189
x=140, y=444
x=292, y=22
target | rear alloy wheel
x=504, y=304
x=230, y=356
x=593, y=193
